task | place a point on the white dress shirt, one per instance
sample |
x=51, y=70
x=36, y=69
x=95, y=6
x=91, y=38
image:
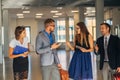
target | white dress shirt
x=105, y=48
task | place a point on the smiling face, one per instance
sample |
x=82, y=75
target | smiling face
x=104, y=29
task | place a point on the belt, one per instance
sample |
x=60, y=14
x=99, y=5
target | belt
x=106, y=61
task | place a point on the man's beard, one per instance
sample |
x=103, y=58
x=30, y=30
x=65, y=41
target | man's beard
x=51, y=30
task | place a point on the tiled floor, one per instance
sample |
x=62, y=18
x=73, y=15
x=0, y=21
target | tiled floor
x=35, y=66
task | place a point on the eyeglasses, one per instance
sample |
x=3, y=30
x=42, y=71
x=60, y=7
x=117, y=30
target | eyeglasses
x=52, y=25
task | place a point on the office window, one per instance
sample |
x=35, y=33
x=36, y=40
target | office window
x=60, y=30
x=2, y=35
x=71, y=29
x=28, y=32
x=91, y=26
x=109, y=21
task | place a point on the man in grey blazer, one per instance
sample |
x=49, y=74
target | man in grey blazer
x=46, y=47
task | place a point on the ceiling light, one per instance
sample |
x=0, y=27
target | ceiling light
x=59, y=7
x=85, y=13
x=74, y=11
x=26, y=11
x=54, y=11
x=58, y=14
x=39, y=14
x=93, y=11
x=19, y=14
x=55, y=16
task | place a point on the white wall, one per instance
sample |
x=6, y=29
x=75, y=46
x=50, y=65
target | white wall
x=13, y=24
x=91, y=25
x=40, y=25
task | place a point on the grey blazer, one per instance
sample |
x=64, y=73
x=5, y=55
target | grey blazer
x=47, y=56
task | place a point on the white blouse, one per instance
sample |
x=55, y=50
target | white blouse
x=15, y=42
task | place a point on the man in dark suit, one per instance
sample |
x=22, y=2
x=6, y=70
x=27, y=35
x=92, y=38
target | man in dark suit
x=108, y=46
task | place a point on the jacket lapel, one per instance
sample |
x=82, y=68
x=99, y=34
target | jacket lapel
x=109, y=41
x=45, y=37
x=53, y=36
x=102, y=41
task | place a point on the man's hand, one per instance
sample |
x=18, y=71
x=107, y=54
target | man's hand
x=96, y=48
x=59, y=66
x=55, y=46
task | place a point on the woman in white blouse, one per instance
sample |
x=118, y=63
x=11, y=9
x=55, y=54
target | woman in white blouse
x=20, y=60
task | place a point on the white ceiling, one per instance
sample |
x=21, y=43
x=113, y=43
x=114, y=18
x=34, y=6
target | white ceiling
x=15, y=3
x=46, y=11
x=45, y=6
x=42, y=6
x=37, y=3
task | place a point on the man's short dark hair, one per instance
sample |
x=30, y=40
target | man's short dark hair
x=48, y=21
x=107, y=25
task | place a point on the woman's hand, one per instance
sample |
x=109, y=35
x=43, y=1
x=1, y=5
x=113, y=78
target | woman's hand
x=26, y=53
x=83, y=49
x=23, y=55
x=68, y=43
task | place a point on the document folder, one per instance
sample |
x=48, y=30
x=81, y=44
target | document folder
x=19, y=50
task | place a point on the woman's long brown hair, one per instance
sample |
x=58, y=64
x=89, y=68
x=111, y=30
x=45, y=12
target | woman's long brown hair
x=83, y=33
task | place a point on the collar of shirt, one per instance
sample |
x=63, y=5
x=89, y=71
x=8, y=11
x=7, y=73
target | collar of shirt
x=50, y=37
x=108, y=36
x=47, y=33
